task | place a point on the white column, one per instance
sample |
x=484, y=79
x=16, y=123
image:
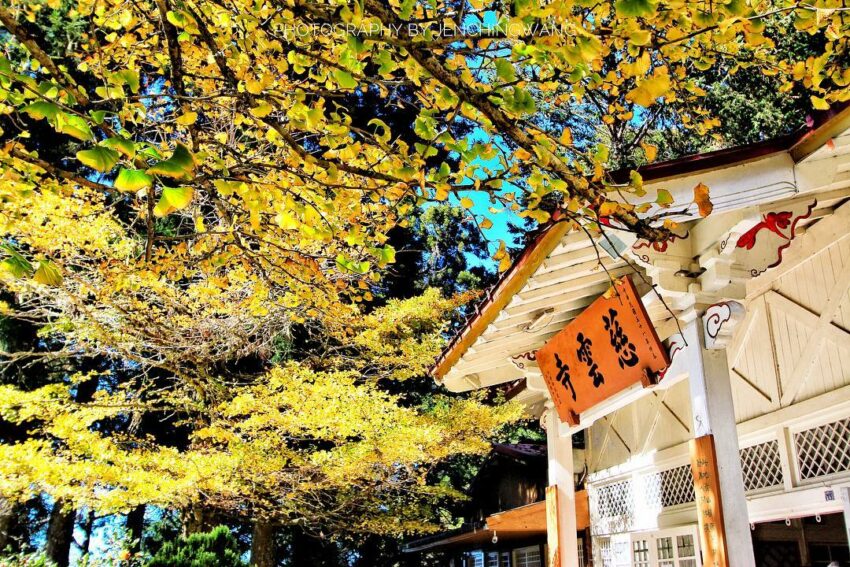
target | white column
x=845, y=501
x=559, y=444
x=714, y=414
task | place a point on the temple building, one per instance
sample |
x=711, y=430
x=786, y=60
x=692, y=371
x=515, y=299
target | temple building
x=710, y=387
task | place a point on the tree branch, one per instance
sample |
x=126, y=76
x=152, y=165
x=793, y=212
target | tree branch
x=40, y=55
x=504, y=123
x=58, y=172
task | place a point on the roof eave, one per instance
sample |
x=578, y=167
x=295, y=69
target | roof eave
x=799, y=145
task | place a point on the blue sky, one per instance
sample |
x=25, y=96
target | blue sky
x=482, y=204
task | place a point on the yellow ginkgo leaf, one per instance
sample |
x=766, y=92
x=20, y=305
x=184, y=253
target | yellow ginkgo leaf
x=650, y=151
x=187, y=118
x=649, y=90
x=263, y=110
x=819, y=104
x=703, y=200
x=504, y=264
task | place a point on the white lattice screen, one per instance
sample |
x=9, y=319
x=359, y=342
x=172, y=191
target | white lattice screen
x=761, y=465
x=615, y=499
x=677, y=486
x=671, y=487
x=823, y=450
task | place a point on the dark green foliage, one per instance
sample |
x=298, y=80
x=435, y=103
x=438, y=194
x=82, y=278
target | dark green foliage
x=164, y=528
x=527, y=431
x=749, y=104
x=443, y=249
x=216, y=548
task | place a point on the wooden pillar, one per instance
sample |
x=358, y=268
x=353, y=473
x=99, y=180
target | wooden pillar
x=714, y=416
x=561, y=509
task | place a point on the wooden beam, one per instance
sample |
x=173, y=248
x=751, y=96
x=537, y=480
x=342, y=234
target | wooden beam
x=530, y=518
x=553, y=527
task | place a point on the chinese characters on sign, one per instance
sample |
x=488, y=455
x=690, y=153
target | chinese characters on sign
x=585, y=355
x=709, y=508
x=626, y=355
x=606, y=349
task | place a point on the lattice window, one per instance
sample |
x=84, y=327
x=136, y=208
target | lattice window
x=823, y=450
x=640, y=553
x=677, y=486
x=669, y=488
x=615, y=499
x=761, y=465
x=606, y=554
x=650, y=488
x=528, y=557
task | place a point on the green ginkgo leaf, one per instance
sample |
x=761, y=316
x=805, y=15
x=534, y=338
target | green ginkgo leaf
x=349, y=265
x=177, y=18
x=634, y=8
x=173, y=199
x=386, y=255
x=74, y=126
x=42, y=109
x=98, y=116
x=99, y=158
x=15, y=264
x=121, y=145
x=178, y=197
x=180, y=165
x=505, y=70
x=47, y=274
x=130, y=78
x=664, y=198
x=344, y=79
x=132, y=180
x=148, y=150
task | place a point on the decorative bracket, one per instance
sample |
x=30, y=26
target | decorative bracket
x=676, y=344
x=719, y=323
x=524, y=360
x=668, y=263
x=764, y=243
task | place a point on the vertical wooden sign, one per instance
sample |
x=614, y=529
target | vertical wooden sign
x=553, y=527
x=709, y=505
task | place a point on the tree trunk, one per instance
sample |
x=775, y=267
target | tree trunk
x=194, y=520
x=263, y=544
x=87, y=527
x=136, y=526
x=60, y=529
x=7, y=513
x=60, y=532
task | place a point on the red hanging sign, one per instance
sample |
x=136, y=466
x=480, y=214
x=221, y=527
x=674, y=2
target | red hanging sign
x=606, y=349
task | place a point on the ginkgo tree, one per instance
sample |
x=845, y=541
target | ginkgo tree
x=216, y=182
x=226, y=131
x=316, y=443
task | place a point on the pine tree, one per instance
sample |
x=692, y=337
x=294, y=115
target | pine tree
x=216, y=548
